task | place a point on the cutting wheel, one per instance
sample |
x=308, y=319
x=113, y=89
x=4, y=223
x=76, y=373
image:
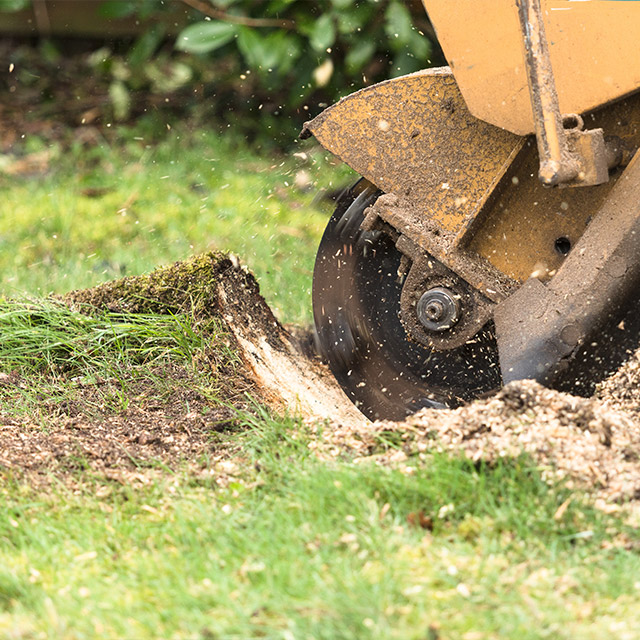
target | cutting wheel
x=356, y=306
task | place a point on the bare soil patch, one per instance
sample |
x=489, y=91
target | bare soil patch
x=181, y=427
x=112, y=445
x=592, y=443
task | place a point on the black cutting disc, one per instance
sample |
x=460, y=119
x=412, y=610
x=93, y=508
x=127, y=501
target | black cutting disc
x=356, y=307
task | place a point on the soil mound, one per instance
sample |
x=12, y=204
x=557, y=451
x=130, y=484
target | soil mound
x=593, y=443
x=215, y=286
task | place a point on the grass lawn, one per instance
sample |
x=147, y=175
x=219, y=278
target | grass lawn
x=256, y=536
x=87, y=213
x=290, y=547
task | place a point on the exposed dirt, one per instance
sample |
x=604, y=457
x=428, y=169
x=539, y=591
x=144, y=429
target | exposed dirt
x=182, y=427
x=116, y=445
x=593, y=443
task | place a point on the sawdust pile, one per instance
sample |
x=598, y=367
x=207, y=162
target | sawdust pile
x=592, y=443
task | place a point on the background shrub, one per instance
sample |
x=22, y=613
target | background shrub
x=260, y=66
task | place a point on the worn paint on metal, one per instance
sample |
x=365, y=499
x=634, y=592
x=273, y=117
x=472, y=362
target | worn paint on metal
x=541, y=327
x=517, y=232
x=414, y=137
x=463, y=190
x=593, y=48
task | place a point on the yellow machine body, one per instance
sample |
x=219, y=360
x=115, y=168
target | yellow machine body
x=425, y=138
x=508, y=185
x=593, y=46
x=415, y=139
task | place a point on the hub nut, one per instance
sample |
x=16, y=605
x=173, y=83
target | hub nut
x=438, y=309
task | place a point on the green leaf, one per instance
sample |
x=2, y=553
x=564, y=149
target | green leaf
x=167, y=76
x=120, y=100
x=205, y=36
x=146, y=45
x=101, y=59
x=398, y=26
x=420, y=46
x=251, y=47
x=49, y=52
x=277, y=50
x=353, y=21
x=276, y=6
x=145, y=9
x=14, y=5
x=341, y=4
x=324, y=33
x=223, y=4
x=114, y=9
x=404, y=63
x=359, y=55
x=120, y=70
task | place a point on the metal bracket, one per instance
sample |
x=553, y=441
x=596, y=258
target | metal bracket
x=569, y=156
x=427, y=274
x=541, y=327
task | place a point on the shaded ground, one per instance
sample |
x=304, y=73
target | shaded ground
x=46, y=100
x=595, y=443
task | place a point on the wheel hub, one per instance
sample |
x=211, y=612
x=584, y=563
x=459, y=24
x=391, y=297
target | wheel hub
x=438, y=309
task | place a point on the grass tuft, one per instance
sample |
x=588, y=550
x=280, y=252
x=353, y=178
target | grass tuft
x=41, y=336
x=53, y=357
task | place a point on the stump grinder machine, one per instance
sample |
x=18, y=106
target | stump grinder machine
x=495, y=233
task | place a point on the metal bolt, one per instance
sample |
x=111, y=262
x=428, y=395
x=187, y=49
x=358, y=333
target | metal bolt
x=435, y=310
x=438, y=309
